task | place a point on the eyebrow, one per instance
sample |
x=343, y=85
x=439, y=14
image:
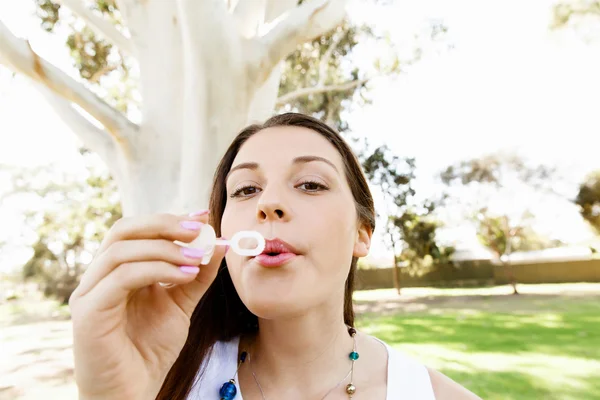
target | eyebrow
x=298, y=160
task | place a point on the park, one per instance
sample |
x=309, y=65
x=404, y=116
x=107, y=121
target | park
x=477, y=137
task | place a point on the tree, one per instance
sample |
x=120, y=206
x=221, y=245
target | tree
x=223, y=63
x=588, y=200
x=504, y=235
x=505, y=231
x=496, y=169
x=419, y=229
x=581, y=16
x=410, y=229
x=565, y=12
x=121, y=81
x=68, y=230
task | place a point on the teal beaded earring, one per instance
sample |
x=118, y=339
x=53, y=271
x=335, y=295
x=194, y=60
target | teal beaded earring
x=350, y=388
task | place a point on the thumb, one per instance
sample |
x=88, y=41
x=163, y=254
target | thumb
x=188, y=295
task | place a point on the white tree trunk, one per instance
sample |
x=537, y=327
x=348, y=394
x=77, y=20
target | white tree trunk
x=206, y=70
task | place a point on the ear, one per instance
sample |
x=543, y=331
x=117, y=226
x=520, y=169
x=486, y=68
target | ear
x=363, y=241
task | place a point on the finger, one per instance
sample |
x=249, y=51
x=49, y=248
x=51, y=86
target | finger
x=187, y=296
x=115, y=289
x=171, y=227
x=128, y=251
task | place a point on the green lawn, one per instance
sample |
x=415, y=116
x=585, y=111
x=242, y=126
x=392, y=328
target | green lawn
x=534, y=346
x=543, y=344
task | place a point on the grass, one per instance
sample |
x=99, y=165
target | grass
x=544, y=344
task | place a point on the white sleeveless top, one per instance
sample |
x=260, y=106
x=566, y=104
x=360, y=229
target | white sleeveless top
x=406, y=378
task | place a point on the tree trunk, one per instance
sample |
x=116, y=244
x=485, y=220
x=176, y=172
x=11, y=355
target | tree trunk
x=206, y=70
x=511, y=272
x=396, y=270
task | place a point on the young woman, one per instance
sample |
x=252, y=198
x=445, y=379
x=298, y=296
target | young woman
x=276, y=326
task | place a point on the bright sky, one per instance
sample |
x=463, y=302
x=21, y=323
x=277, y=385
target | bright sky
x=508, y=83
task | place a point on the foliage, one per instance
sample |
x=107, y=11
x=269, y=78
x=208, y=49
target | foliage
x=504, y=235
x=501, y=232
x=496, y=169
x=566, y=11
x=419, y=235
x=408, y=222
x=315, y=63
x=324, y=62
x=319, y=63
x=63, y=238
x=588, y=200
x=93, y=56
x=70, y=228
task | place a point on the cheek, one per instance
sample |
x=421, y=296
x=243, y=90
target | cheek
x=228, y=222
x=333, y=227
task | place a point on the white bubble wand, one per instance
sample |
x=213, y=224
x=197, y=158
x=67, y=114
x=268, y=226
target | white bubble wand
x=207, y=240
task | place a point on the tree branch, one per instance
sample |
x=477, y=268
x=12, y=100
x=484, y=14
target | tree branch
x=277, y=7
x=286, y=98
x=299, y=25
x=17, y=54
x=100, y=25
x=326, y=57
x=249, y=15
x=94, y=138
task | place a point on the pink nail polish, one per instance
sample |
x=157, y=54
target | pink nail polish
x=191, y=225
x=192, y=253
x=188, y=269
x=199, y=213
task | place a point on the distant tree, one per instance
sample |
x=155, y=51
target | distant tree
x=581, y=16
x=502, y=232
x=496, y=169
x=567, y=11
x=418, y=229
x=588, y=200
x=410, y=229
x=69, y=228
x=504, y=235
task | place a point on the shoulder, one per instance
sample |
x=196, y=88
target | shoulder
x=445, y=388
x=218, y=367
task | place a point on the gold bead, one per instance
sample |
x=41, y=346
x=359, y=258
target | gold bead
x=350, y=389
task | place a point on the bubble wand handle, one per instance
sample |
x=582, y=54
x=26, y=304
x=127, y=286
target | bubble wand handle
x=235, y=243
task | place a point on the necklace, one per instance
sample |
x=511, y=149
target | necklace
x=350, y=388
x=322, y=398
x=228, y=390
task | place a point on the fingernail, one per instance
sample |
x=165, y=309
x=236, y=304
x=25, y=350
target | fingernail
x=188, y=269
x=191, y=225
x=192, y=253
x=198, y=213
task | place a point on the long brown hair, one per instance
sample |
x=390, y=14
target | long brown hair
x=220, y=314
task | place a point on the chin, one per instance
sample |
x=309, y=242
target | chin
x=273, y=305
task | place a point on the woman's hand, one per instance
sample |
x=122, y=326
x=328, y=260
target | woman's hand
x=128, y=330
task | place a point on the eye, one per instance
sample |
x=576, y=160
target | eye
x=245, y=191
x=313, y=186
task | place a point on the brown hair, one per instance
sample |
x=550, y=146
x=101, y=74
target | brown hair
x=220, y=314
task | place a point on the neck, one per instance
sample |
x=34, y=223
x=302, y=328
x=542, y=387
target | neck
x=310, y=350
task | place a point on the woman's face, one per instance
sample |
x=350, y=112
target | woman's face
x=289, y=183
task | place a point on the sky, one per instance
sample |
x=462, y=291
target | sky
x=507, y=82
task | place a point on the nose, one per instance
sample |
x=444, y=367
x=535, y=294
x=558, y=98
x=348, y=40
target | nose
x=271, y=207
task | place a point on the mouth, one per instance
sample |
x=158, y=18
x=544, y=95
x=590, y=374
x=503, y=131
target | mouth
x=276, y=253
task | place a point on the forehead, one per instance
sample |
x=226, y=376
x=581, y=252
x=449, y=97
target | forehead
x=282, y=144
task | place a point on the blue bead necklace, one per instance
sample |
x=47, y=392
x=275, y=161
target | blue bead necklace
x=229, y=390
